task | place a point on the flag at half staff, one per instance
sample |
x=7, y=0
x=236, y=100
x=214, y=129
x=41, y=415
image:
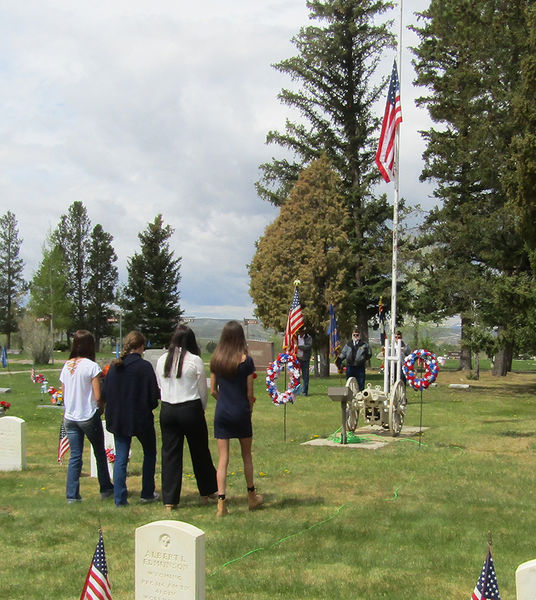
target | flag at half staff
x=97, y=585
x=294, y=322
x=385, y=155
x=487, y=587
x=63, y=443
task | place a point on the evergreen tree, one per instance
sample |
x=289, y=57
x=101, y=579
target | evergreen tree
x=73, y=237
x=12, y=284
x=472, y=235
x=337, y=61
x=101, y=282
x=307, y=241
x=152, y=295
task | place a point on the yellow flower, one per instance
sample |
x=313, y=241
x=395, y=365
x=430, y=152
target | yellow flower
x=261, y=474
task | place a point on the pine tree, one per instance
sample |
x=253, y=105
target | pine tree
x=73, y=237
x=151, y=296
x=12, y=285
x=102, y=281
x=336, y=63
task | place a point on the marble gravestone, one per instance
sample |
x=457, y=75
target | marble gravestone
x=109, y=444
x=170, y=561
x=12, y=444
x=526, y=581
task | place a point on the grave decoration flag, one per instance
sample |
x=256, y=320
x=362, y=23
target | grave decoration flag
x=97, y=585
x=4, y=357
x=487, y=587
x=63, y=443
x=392, y=117
x=294, y=322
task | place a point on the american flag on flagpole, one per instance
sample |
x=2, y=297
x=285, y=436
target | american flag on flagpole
x=294, y=322
x=487, y=587
x=392, y=117
x=63, y=443
x=97, y=586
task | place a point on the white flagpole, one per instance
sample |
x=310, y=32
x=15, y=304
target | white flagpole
x=392, y=370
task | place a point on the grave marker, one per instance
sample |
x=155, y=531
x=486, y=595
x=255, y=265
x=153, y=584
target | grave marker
x=170, y=561
x=109, y=444
x=12, y=444
x=526, y=581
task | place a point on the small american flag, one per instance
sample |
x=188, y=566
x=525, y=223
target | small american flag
x=97, y=586
x=294, y=322
x=63, y=444
x=487, y=587
x=392, y=117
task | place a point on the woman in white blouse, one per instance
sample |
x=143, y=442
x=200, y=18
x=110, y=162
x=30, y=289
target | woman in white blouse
x=183, y=387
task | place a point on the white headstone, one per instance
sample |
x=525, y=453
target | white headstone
x=12, y=444
x=526, y=581
x=153, y=354
x=109, y=444
x=170, y=561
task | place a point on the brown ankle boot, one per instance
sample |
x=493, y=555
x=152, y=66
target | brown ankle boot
x=222, y=507
x=254, y=500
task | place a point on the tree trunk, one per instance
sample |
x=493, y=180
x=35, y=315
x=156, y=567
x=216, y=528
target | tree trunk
x=502, y=361
x=476, y=373
x=465, y=353
x=323, y=353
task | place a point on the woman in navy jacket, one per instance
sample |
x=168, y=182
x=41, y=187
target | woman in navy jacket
x=131, y=394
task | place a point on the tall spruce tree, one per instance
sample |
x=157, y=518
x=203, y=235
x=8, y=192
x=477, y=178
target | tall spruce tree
x=468, y=60
x=12, y=284
x=334, y=69
x=102, y=282
x=151, y=296
x=73, y=237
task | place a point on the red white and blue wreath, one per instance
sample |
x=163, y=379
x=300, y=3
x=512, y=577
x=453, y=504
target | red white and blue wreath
x=431, y=369
x=273, y=370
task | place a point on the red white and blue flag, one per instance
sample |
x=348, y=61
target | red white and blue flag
x=63, y=443
x=97, y=586
x=487, y=587
x=385, y=155
x=294, y=322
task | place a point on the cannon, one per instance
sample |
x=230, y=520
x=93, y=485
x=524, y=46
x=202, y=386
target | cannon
x=375, y=407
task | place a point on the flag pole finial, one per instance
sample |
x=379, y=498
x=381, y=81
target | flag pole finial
x=490, y=542
x=297, y=282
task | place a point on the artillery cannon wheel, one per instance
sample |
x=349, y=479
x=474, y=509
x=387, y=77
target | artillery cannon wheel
x=397, y=408
x=352, y=411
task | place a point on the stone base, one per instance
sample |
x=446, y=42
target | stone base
x=371, y=434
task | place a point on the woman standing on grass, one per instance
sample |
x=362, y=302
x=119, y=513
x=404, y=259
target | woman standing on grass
x=80, y=386
x=131, y=394
x=183, y=386
x=231, y=383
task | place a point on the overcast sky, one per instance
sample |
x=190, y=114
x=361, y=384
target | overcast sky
x=143, y=107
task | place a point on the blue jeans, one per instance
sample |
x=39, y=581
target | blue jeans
x=122, y=447
x=359, y=374
x=76, y=430
x=304, y=364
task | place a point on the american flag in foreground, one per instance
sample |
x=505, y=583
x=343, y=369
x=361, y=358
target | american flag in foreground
x=63, y=443
x=487, y=587
x=97, y=586
x=385, y=155
x=295, y=321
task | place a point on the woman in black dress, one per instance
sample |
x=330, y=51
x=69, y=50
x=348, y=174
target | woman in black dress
x=231, y=383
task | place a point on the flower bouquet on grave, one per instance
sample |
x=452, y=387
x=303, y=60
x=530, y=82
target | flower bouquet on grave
x=3, y=407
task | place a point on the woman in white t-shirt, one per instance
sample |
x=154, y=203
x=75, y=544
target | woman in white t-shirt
x=80, y=384
x=184, y=393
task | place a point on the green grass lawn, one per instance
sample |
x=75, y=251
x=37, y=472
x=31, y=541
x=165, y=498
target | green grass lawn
x=404, y=521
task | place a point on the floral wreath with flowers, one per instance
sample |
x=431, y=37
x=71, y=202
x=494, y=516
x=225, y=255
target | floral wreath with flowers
x=431, y=369
x=273, y=370
x=56, y=397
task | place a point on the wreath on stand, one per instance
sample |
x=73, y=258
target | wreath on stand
x=431, y=369
x=272, y=373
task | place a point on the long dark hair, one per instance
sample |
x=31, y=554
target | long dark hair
x=183, y=340
x=229, y=351
x=133, y=340
x=83, y=345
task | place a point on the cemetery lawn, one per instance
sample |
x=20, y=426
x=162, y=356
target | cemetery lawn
x=403, y=521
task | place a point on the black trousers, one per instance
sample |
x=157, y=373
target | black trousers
x=178, y=421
